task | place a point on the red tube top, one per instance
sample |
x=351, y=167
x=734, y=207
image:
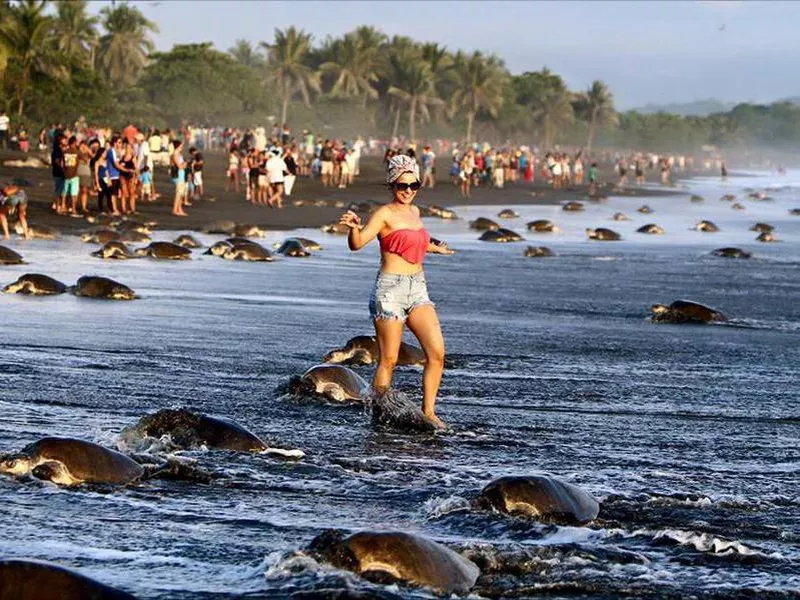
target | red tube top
x=410, y=244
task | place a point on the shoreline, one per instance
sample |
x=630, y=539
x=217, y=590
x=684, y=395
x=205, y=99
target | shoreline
x=219, y=204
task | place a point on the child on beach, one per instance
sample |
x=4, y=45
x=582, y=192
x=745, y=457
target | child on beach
x=146, y=181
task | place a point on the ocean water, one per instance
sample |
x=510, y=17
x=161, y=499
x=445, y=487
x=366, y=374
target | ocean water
x=688, y=435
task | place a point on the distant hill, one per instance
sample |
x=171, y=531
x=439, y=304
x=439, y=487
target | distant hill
x=699, y=108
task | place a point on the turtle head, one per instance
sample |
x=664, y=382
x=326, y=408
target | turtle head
x=336, y=356
x=141, y=251
x=659, y=309
x=15, y=464
x=87, y=237
x=50, y=471
x=591, y=233
x=122, y=292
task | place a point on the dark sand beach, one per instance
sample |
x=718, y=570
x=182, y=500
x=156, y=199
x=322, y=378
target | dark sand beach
x=219, y=204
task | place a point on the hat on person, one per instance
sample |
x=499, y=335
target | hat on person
x=399, y=164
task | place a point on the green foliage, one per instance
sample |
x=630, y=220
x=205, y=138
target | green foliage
x=197, y=83
x=58, y=64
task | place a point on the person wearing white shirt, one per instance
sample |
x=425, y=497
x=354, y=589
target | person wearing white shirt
x=276, y=173
x=5, y=123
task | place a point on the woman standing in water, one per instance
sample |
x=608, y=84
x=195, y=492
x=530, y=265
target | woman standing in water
x=400, y=295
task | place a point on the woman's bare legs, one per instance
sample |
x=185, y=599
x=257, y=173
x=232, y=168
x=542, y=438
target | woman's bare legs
x=424, y=324
x=390, y=334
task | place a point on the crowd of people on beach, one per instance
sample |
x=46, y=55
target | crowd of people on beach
x=121, y=168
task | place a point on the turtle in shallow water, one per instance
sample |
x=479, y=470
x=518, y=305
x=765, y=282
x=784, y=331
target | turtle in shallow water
x=706, y=226
x=92, y=286
x=165, y=251
x=35, y=284
x=100, y=236
x=619, y=217
x=251, y=251
x=442, y=213
x=543, y=497
x=22, y=579
x=763, y=228
x=572, y=206
x=247, y=231
x=501, y=236
x=114, y=250
x=685, y=311
x=293, y=247
x=737, y=206
x=696, y=198
x=766, y=236
x=508, y=213
x=603, y=234
x=363, y=350
x=397, y=557
x=484, y=224
x=651, y=228
x=134, y=236
x=331, y=381
x=187, y=241
x=542, y=226
x=538, y=252
x=731, y=253
x=9, y=257
x=644, y=209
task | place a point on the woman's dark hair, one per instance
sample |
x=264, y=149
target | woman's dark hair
x=176, y=144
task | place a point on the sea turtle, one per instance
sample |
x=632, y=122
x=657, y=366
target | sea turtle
x=91, y=286
x=293, y=247
x=35, y=284
x=115, y=250
x=9, y=257
x=685, y=311
x=165, y=251
x=651, y=228
x=484, y=224
x=706, y=226
x=603, y=234
x=731, y=253
x=538, y=252
x=542, y=226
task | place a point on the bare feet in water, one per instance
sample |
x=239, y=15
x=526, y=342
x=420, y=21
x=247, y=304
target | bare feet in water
x=435, y=421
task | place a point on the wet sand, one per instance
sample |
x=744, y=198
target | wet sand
x=219, y=204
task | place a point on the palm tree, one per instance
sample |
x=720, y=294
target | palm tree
x=287, y=69
x=414, y=87
x=441, y=63
x=354, y=69
x=126, y=44
x=479, y=83
x=600, y=107
x=25, y=35
x=245, y=53
x=75, y=31
x=549, y=99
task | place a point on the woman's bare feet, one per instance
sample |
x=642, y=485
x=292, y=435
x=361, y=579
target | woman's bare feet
x=435, y=421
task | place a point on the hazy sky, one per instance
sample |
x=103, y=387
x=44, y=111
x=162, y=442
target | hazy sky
x=645, y=51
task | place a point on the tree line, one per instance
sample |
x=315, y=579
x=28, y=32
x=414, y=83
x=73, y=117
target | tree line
x=59, y=63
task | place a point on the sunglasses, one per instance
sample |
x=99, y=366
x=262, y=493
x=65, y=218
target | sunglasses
x=402, y=187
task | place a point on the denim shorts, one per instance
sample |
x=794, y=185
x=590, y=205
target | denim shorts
x=395, y=296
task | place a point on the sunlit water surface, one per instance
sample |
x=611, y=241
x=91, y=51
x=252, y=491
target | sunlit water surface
x=689, y=435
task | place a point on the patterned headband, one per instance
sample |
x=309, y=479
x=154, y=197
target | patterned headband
x=400, y=164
